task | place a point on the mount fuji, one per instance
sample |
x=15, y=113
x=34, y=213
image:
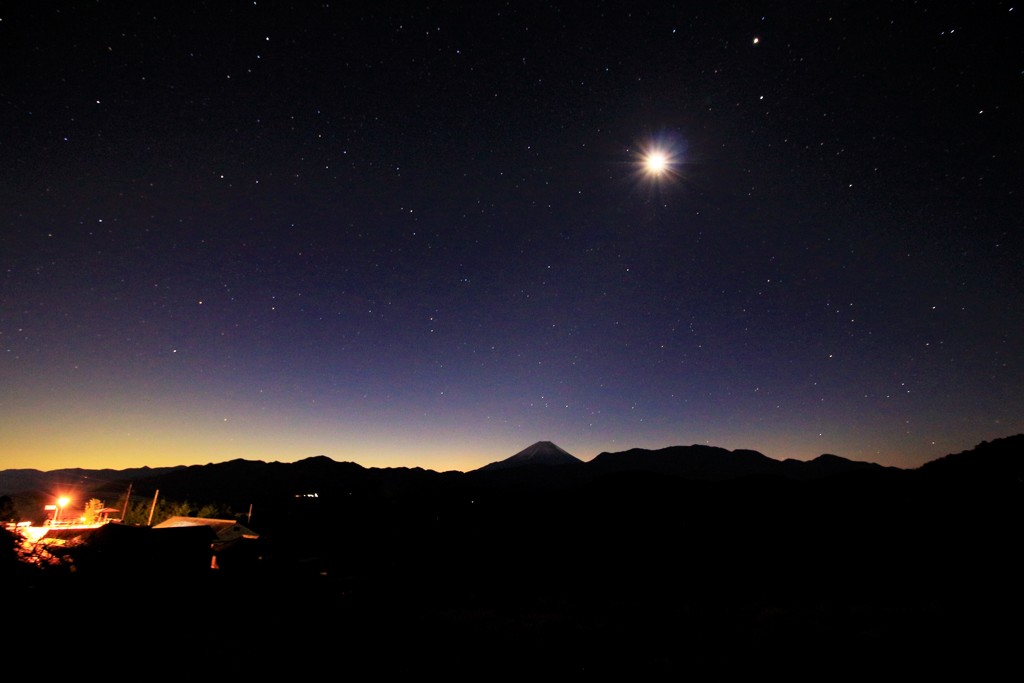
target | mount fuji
x=540, y=453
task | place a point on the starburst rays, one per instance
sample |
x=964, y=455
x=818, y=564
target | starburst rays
x=658, y=162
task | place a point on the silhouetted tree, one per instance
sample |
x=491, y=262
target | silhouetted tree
x=92, y=509
x=215, y=511
x=8, y=549
x=176, y=509
x=138, y=512
x=8, y=510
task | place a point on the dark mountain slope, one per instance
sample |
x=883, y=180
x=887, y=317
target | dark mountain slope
x=540, y=453
x=717, y=464
x=1000, y=461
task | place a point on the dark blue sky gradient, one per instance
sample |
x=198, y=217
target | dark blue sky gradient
x=411, y=236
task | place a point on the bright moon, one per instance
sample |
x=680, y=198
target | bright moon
x=656, y=163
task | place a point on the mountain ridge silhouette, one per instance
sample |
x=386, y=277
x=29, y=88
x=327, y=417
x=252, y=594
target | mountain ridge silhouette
x=625, y=563
x=989, y=460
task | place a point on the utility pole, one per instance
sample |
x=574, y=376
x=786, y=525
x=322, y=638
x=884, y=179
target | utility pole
x=152, y=507
x=128, y=496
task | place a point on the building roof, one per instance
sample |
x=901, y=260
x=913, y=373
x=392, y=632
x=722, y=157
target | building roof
x=226, y=529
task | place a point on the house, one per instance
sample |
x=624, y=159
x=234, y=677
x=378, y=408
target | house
x=226, y=529
x=229, y=537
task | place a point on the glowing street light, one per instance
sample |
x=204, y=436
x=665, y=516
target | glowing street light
x=61, y=503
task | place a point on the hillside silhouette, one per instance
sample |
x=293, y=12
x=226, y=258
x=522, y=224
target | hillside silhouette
x=643, y=562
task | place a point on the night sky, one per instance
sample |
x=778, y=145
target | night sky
x=424, y=234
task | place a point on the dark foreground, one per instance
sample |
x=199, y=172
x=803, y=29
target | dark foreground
x=623, y=602
x=629, y=575
x=229, y=627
